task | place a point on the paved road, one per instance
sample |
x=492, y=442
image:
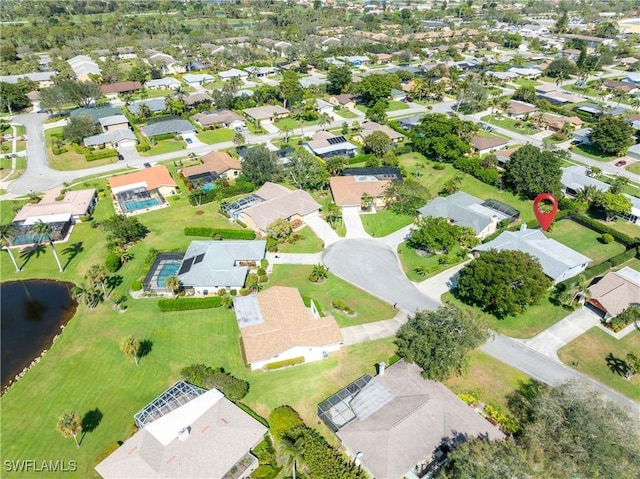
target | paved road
x=374, y=267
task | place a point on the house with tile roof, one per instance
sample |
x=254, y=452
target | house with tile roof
x=83, y=67
x=559, y=262
x=142, y=190
x=215, y=164
x=112, y=90
x=347, y=191
x=275, y=325
x=615, y=292
x=368, y=127
x=176, y=126
x=194, y=433
x=483, y=145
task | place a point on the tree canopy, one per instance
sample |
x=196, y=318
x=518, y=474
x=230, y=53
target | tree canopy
x=376, y=87
x=612, y=135
x=405, y=197
x=78, y=128
x=561, y=68
x=439, y=341
x=502, y=283
x=612, y=204
x=443, y=138
x=306, y=172
x=13, y=96
x=121, y=229
x=532, y=171
x=526, y=93
x=338, y=79
x=438, y=235
x=260, y=165
x=377, y=143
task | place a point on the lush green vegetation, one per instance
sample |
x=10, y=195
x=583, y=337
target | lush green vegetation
x=384, y=223
x=219, y=135
x=418, y=268
x=69, y=160
x=634, y=168
x=597, y=354
x=592, y=152
x=584, y=240
x=524, y=128
x=164, y=146
x=306, y=241
x=397, y=105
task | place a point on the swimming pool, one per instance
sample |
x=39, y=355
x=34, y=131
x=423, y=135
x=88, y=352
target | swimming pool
x=134, y=205
x=208, y=186
x=167, y=269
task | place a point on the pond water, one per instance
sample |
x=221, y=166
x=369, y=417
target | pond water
x=32, y=313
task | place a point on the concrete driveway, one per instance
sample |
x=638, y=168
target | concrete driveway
x=374, y=267
x=439, y=284
x=353, y=223
x=394, y=239
x=323, y=230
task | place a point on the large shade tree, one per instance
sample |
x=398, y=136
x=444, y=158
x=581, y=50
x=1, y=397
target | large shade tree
x=612, y=135
x=531, y=171
x=260, y=165
x=439, y=341
x=442, y=138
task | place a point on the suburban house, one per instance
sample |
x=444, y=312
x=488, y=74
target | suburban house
x=369, y=127
x=555, y=96
x=209, y=266
x=61, y=215
x=408, y=123
x=187, y=432
x=554, y=122
x=83, y=67
x=632, y=78
x=324, y=107
x=355, y=60
x=225, y=118
x=275, y=325
x=558, y=261
x=176, y=126
x=347, y=191
x=576, y=177
x=232, y=73
x=112, y=90
x=483, y=145
x=615, y=292
x=154, y=105
x=169, y=64
x=503, y=156
x=582, y=136
x=195, y=98
x=142, y=190
x=260, y=72
x=198, y=78
x=325, y=145
x=269, y=203
x=114, y=138
x=215, y=164
x=399, y=425
x=266, y=113
x=344, y=100
x=621, y=86
x=520, y=109
x=462, y=209
x=163, y=84
x=597, y=111
x=312, y=81
x=43, y=79
x=95, y=113
x=379, y=172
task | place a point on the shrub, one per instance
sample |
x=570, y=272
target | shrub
x=112, y=262
x=507, y=423
x=222, y=292
x=233, y=292
x=602, y=228
x=285, y=363
x=628, y=316
x=438, y=166
x=402, y=150
x=142, y=147
x=282, y=419
x=468, y=398
x=136, y=285
x=207, y=377
x=263, y=278
x=272, y=244
x=167, y=305
x=99, y=155
x=244, y=291
x=606, y=238
x=240, y=223
x=219, y=233
x=623, y=257
x=264, y=262
x=164, y=136
x=341, y=306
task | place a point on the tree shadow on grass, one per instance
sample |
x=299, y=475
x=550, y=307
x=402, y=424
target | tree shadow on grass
x=145, y=348
x=113, y=281
x=617, y=365
x=90, y=422
x=520, y=402
x=31, y=251
x=72, y=251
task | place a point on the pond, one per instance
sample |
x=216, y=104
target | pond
x=32, y=313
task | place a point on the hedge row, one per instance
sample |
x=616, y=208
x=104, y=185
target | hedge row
x=285, y=363
x=240, y=187
x=164, y=136
x=473, y=166
x=601, y=228
x=167, y=305
x=219, y=233
x=601, y=269
x=207, y=377
x=108, y=153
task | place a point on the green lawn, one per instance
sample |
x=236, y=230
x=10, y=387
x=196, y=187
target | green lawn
x=219, y=135
x=584, y=240
x=344, y=113
x=410, y=260
x=164, y=146
x=367, y=307
x=592, y=152
x=384, y=222
x=308, y=243
x=589, y=353
x=527, y=128
x=70, y=160
x=525, y=82
x=397, y=105
x=634, y=168
x=292, y=123
x=535, y=319
x=633, y=263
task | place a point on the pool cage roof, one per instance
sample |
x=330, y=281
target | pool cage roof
x=335, y=411
x=242, y=204
x=134, y=194
x=177, y=395
x=503, y=208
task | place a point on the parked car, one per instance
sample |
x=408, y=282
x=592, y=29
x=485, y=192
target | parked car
x=576, y=142
x=188, y=140
x=147, y=165
x=621, y=163
x=120, y=157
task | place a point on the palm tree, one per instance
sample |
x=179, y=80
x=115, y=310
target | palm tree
x=292, y=450
x=286, y=131
x=45, y=233
x=172, y=283
x=96, y=276
x=577, y=290
x=180, y=93
x=70, y=425
x=320, y=271
x=87, y=295
x=586, y=194
x=130, y=346
x=324, y=121
x=332, y=213
x=7, y=235
x=366, y=201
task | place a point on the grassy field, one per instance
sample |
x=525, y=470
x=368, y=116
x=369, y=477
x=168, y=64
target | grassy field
x=535, y=319
x=525, y=82
x=384, y=222
x=344, y=113
x=633, y=263
x=367, y=307
x=411, y=260
x=164, y=146
x=592, y=152
x=397, y=105
x=596, y=354
x=510, y=124
x=584, y=240
x=634, y=168
x=219, y=135
x=292, y=123
x=308, y=243
x=70, y=160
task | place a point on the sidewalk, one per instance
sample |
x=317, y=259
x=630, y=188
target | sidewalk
x=363, y=333
x=294, y=258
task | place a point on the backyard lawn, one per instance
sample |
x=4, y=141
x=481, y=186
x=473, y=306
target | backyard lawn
x=584, y=240
x=308, y=243
x=218, y=135
x=70, y=160
x=384, y=222
x=597, y=354
x=164, y=146
x=367, y=308
x=292, y=123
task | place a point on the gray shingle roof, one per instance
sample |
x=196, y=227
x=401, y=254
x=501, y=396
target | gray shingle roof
x=154, y=105
x=575, y=178
x=168, y=126
x=113, y=137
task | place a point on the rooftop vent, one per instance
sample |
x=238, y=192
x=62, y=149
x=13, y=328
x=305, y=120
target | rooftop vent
x=183, y=433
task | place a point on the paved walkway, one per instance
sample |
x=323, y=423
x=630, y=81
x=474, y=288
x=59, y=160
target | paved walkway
x=353, y=224
x=439, y=284
x=294, y=258
x=323, y=230
x=549, y=341
x=394, y=239
x=363, y=333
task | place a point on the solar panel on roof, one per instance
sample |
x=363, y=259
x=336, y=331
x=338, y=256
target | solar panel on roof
x=336, y=140
x=199, y=258
x=186, y=266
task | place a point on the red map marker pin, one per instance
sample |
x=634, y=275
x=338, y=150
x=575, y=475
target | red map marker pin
x=545, y=219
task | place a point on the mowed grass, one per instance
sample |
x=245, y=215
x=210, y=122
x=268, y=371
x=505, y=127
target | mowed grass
x=219, y=135
x=534, y=320
x=488, y=380
x=70, y=160
x=397, y=105
x=367, y=307
x=592, y=152
x=584, y=240
x=588, y=354
x=410, y=260
x=384, y=222
x=164, y=146
x=307, y=243
x=634, y=168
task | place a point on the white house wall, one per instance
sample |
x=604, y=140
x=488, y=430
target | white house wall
x=310, y=354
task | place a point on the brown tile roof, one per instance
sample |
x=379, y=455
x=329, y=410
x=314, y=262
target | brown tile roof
x=121, y=87
x=348, y=190
x=223, y=116
x=371, y=126
x=215, y=161
x=520, y=107
x=480, y=143
x=619, y=85
x=507, y=152
x=154, y=177
x=287, y=323
x=615, y=292
x=74, y=203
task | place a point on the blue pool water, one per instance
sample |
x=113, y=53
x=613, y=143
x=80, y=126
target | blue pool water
x=139, y=205
x=167, y=269
x=209, y=186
